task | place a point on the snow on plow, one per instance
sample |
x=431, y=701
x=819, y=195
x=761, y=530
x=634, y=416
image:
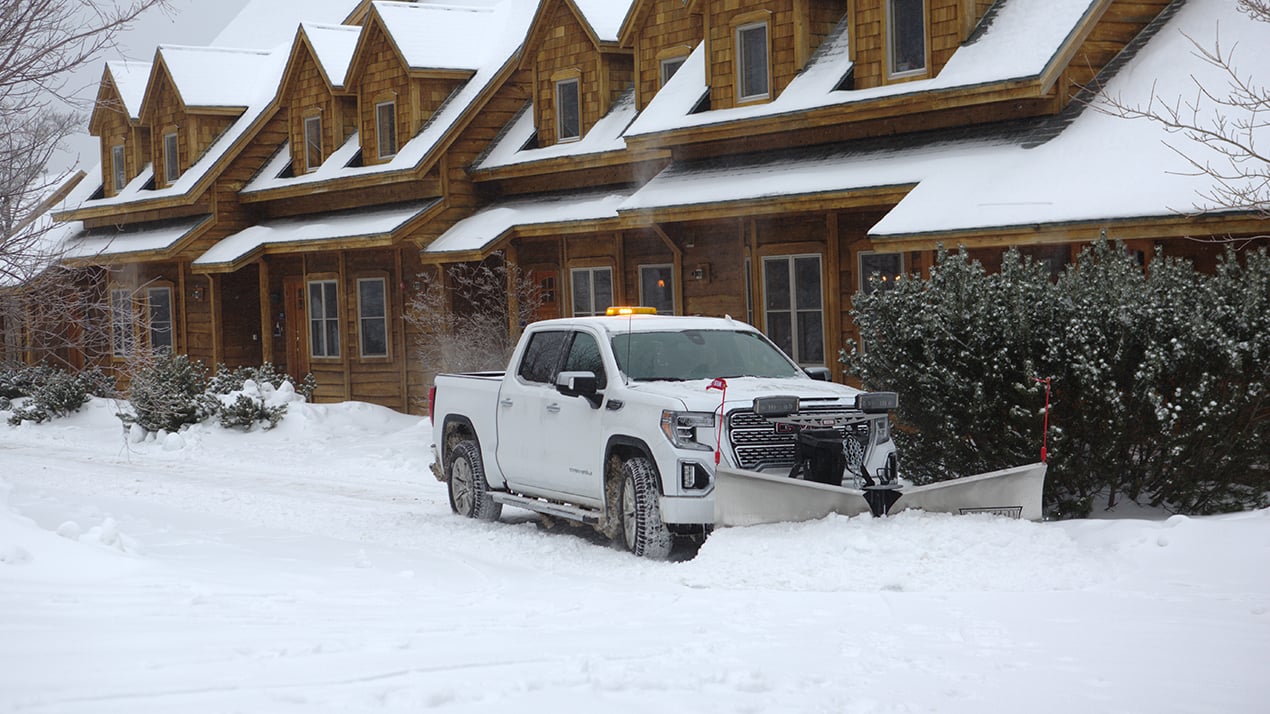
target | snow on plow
x=746, y=498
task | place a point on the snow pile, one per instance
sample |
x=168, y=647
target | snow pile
x=69, y=552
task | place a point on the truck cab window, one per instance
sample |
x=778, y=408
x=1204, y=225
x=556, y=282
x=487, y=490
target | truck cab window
x=542, y=354
x=584, y=356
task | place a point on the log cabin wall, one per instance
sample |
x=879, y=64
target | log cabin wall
x=668, y=31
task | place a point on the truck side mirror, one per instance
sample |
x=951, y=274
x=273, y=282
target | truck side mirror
x=820, y=374
x=579, y=384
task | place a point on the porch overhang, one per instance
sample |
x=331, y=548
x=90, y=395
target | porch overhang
x=143, y=243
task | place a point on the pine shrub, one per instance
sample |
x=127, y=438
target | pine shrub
x=167, y=392
x=54, y=392
x=246, y=411
x=1159, y=376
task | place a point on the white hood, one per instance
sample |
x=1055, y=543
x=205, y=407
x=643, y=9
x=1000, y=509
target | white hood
x=696, y=395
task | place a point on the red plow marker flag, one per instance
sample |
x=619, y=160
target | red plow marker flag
x=1046, y=427
x=720, y=384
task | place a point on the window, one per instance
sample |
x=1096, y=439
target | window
x=171, y=158
x=159, y=318
x=793, y=306
x=568, y=110
x=312, y=143
x=386, y=128
x=324, y=319
x=541, y=356
x=657, y=287
x=888, y=267
x=751, y=44
x=122, y=339
x=372, y=316
x=118, y=169
x=584, y=356
x=669, y=67
x=906, y=37
x=592, y=291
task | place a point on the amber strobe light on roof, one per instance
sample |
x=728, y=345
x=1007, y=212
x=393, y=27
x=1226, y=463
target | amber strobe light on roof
x=630, y=311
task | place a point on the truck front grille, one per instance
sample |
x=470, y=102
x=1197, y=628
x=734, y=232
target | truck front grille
x=757, y=444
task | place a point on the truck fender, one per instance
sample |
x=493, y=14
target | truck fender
x=457, y=428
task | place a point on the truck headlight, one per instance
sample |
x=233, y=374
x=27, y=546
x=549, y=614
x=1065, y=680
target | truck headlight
x=681, y=428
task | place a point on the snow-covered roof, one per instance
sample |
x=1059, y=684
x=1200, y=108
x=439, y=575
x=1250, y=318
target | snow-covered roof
x=604, y=16
x=439, y=36
x=312, y=230
x=501, y=35
x=333, y=45
x=130, y=80
x=115, y=242
x=1020, y=42
x=265, y=24
x=1084, y=172
x=217, y=77
x=605, y=136
x=485, y=227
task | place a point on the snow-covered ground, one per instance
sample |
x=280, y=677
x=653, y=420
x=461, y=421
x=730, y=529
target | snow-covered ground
x=317, y=568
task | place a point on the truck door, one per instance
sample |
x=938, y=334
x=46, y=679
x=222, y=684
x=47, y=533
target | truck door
x=577, y=458
x=523, y=442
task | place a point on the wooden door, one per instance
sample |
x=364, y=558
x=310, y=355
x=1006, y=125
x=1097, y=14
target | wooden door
x=296, y=328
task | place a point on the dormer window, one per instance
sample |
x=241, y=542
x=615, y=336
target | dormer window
x=312, y=143
x=568, y=110
x=669, y=66
x=386, y=128
x=906, y=37
x=171, y=158
x=752, y=65
x=118, y=169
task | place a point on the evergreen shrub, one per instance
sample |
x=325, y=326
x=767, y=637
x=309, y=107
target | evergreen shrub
x=167, y=392
x=1160, y=382
x=53, y=392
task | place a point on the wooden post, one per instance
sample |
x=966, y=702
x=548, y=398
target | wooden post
x=347, y=353
x=833, y=308
x=266, y=313
x=399, y=327
x=213, y=295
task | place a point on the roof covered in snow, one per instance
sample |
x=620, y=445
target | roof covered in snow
x=333, y=46
x=441, y=36
x=218, y=77
x=311, y=230
x=1021, y=40
x=484, y=228
x=604, y=16
x=605, y=136
x=115, y=242
x=265, y=24
x=130, y=80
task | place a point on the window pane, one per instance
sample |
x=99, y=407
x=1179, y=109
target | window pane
x=312, y=143
x=811, y=337
x=657, y=288
x=776, y=284
x=886, y=266
x=603, y=290
x=374, y=338
x=315, y=301
x=171, y=158
x=316, y=341
x=332, y=339
x=568, y=110
x=581, y=292
x=371, y=307
x=118, y=168
x=779, y=331
x=328, y=289
x=807, y=282
x=584, y=356
x=908, y=35
x=669, y=67
x=370, y=298
x=753, y=41
x=541, y=356
x=159, y=307
x=386, y=128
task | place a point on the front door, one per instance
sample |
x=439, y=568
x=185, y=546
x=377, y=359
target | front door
x=295, y=327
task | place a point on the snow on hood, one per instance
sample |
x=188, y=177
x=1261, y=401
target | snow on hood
x=696, y=396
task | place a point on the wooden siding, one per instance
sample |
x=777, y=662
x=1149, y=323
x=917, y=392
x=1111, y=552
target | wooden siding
x=1122, y=22
x=567, y=47
x=308, y=95
x=947, y=26
x=668, y=30
x=113, y=127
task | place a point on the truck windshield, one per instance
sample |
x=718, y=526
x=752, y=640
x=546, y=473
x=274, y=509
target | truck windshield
x=699, y=354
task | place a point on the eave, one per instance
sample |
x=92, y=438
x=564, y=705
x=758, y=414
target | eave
x=558, y=165
x=538, y=230
x=849, y=199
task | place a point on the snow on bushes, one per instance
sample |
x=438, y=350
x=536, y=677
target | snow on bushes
x=50, y=392
x=1160, y=384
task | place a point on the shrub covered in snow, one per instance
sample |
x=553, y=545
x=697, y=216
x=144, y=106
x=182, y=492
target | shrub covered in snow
x=52, y=392
x=228, y=380
x=1160, y=388
x=251, y=404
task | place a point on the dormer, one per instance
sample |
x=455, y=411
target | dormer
x=579, y=69
x=116, y=122
x=662, y=34
x=896, y=41
x=190, y=102
x=322, y=112
x=408, y=61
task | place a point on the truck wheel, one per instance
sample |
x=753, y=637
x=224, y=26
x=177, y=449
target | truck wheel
x=642, y=530
x=469, y=493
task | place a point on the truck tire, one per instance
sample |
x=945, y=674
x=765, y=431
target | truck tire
x=643, y=533
x=469, y=492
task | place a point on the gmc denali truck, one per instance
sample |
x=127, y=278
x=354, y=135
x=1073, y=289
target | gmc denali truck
x=619, y=422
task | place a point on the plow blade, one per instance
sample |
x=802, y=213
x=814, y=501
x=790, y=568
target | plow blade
x=746, y=498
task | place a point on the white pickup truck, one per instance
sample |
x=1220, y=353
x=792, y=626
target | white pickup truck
x=614, y=422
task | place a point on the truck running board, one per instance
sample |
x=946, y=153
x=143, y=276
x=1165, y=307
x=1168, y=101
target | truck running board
x=746, y=498
x=559, y=510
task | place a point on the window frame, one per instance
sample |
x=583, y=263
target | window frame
x=382, y=318
x=590, y=271
x=674, y=307
x=742, y=57
x=677, y=62
x=379, y=126
x=309, y=164
x=576, y=105
x=118, y=167
x=171, y=157
x=149, y=316
x=891, y=45
x=791, y=261
x=861, y=281
x=330, y=324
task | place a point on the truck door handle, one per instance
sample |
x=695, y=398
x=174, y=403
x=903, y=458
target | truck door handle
x=553, y=408
x=505, y=402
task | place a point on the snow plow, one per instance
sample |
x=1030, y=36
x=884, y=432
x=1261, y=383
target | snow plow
x=829, y=476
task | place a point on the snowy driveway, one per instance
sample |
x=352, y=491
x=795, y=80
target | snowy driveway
x=317, y=568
